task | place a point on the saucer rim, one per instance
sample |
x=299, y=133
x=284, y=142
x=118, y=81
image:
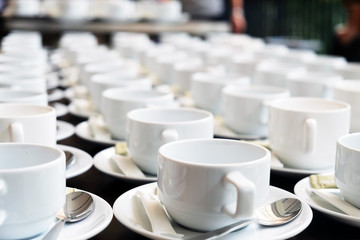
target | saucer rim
x=300, y=189
x=70, y=130
x=56, y=95
x=99, y=157
x=84, y=157
x=81, y=127
x=235, y=135
x=294, y=171
x=126, y=221
x=64, y=109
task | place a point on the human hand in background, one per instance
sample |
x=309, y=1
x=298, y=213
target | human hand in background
x=238, y=21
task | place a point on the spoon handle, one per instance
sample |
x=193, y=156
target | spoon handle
x=221, y=231
x=55, y=230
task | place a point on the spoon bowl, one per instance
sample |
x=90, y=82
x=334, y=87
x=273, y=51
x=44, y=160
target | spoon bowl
x=78, y=206
x=276, y=213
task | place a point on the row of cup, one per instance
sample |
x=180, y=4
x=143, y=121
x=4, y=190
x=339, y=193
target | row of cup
x=302, y=131
x=173, y=61
x=108, y=9
x=32, y=170
x=243, y=106
x=23, y=62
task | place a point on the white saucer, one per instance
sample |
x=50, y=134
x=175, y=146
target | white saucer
x=85, y=111
x=95, y=223
x=103, y=162
x=61, y=109
x=278, y=167
x=83, y=131
x=82, y=161
x=55, y=95
x=222, y=131
x=64, y=130
x=127, y=213
x=301, y=189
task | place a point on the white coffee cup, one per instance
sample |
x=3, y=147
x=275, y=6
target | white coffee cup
x=204, y=184
x=121, y=10
x=117, y=102
x=164, y=65
x=349, y=70
x=312, y=84
x=184, y=70
x=349, y=91
x=274, y=73
x=32, y=188
x=27, y=7
x=100, y=82
x=245, y=108
x=128, y=68
x=303, y=131
x=168, y=11
x=325, y=63
x=27, y=123
x=23, y=96
x=23, y=82
x=206, y=88
x=160, y=126
x=74, y=10
x=244, y=63
x=347, y=167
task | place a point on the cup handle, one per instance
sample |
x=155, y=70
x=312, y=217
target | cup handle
x=3, y=191
x=169, y=135
x=16, y=132
x=310, y=135
x=264, y=112
x=245, y=201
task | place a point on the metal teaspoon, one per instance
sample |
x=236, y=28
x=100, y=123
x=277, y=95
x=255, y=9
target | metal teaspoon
x=276, y=213
x=78, y=206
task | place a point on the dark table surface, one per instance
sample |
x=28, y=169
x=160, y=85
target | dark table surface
x=110, y=188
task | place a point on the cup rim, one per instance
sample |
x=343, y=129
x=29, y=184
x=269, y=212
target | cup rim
x=50, y=109
x=219, y=79
x=213, y=165
x=233, y=90
x=277, y=104
x=341, y=141
x=112, y=77
x=107, y=94
x=207, y=115
x=61, y=155
x=346, y=85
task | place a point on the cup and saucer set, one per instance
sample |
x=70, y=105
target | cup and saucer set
x=40, y=169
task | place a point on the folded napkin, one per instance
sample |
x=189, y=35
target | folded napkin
x=127, y=166
x=159, y=220
x=98, y=129
x=124, y=162
x=337, y=202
